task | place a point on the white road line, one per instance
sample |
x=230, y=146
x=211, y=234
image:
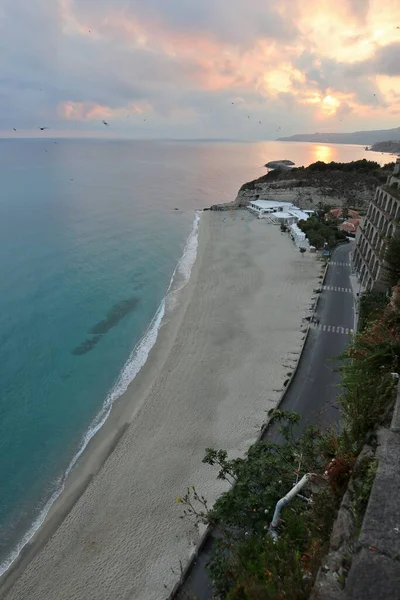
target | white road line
x=332, y=288
x=333, y=329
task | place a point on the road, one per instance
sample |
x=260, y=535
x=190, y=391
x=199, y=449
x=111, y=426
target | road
x=314, y=389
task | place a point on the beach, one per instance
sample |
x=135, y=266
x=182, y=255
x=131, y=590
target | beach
x=218, y=366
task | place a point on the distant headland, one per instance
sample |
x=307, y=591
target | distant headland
x=357, y=137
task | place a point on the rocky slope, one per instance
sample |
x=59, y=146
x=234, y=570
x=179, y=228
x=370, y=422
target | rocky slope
x=340, y=184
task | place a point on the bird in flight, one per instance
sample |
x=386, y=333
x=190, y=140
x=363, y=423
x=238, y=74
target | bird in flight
x=259, y=122
x=14, y=129
x=42, y=128
x=45, y=150
x=105, y=123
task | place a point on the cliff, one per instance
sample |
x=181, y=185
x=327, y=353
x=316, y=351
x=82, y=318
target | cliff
x=340, y=184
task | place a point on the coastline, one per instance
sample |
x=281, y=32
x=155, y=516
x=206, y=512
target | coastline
x=198, y=388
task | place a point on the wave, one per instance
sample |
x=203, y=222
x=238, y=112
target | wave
x=133, y=365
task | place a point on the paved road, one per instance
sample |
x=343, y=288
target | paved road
x=314, y=388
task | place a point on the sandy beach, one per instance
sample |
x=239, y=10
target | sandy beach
x=218, y=366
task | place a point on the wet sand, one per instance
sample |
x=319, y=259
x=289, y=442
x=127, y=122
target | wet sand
x=215, y=371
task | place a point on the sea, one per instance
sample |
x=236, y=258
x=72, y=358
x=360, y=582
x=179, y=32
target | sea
x=93, y=234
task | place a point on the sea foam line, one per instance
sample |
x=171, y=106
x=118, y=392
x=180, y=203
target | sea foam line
x=133, y=365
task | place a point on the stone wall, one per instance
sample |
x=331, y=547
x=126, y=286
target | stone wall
x=367, y=566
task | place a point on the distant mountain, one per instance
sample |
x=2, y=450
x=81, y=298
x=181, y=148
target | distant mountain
x=357, y=137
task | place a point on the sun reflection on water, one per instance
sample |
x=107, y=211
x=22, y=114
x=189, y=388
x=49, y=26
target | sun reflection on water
x=323, y=153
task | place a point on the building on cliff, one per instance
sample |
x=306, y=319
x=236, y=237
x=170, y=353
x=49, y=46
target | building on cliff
x=383, y=216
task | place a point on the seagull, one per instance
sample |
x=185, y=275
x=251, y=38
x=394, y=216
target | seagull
x=45, y=150
x=233, y=103
x=43, y=128
x=14, y=129
x=259, y=122
x=105, y=123
x=248, y=116
x=144, y=119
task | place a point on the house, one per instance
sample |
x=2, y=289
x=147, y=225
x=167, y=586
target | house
x=350, y=226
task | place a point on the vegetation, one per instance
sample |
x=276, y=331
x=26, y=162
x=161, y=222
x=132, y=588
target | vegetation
x=392, y=260
x=247, y=564
x=362, y=166
x=367, y=374
x=371, y=306
x=321, y=231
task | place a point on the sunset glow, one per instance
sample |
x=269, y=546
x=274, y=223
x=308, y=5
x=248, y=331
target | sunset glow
x=307, y=64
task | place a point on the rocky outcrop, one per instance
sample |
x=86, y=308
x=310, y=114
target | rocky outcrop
x=335, y=184
x=280, y=164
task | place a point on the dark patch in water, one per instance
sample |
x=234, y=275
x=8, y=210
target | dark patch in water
x=87, y=345
x=115, y=315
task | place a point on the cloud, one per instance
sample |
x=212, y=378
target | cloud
x=359, y=8
x=386, y=61
x=181, y=63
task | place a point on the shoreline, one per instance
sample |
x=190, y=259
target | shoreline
x=98, y=448
x=141, y=402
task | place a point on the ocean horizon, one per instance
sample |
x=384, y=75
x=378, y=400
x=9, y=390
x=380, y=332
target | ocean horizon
x=95, y=237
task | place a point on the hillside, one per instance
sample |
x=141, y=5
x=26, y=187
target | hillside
x=339, y=184
x=391, y=146
x=357, y=137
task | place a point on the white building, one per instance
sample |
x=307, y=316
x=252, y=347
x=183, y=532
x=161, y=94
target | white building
x=278, y=212
x=298, y=236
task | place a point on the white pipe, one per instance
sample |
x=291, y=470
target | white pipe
x=284, y=501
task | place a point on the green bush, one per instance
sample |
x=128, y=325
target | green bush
x=392, y=260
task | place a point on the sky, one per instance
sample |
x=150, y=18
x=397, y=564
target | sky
x=236, y=69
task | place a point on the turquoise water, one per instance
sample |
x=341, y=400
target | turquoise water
x=89, y=240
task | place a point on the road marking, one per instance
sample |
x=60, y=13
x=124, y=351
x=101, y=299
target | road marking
x=333, y=328
x=338, y=264
x=334, y=288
